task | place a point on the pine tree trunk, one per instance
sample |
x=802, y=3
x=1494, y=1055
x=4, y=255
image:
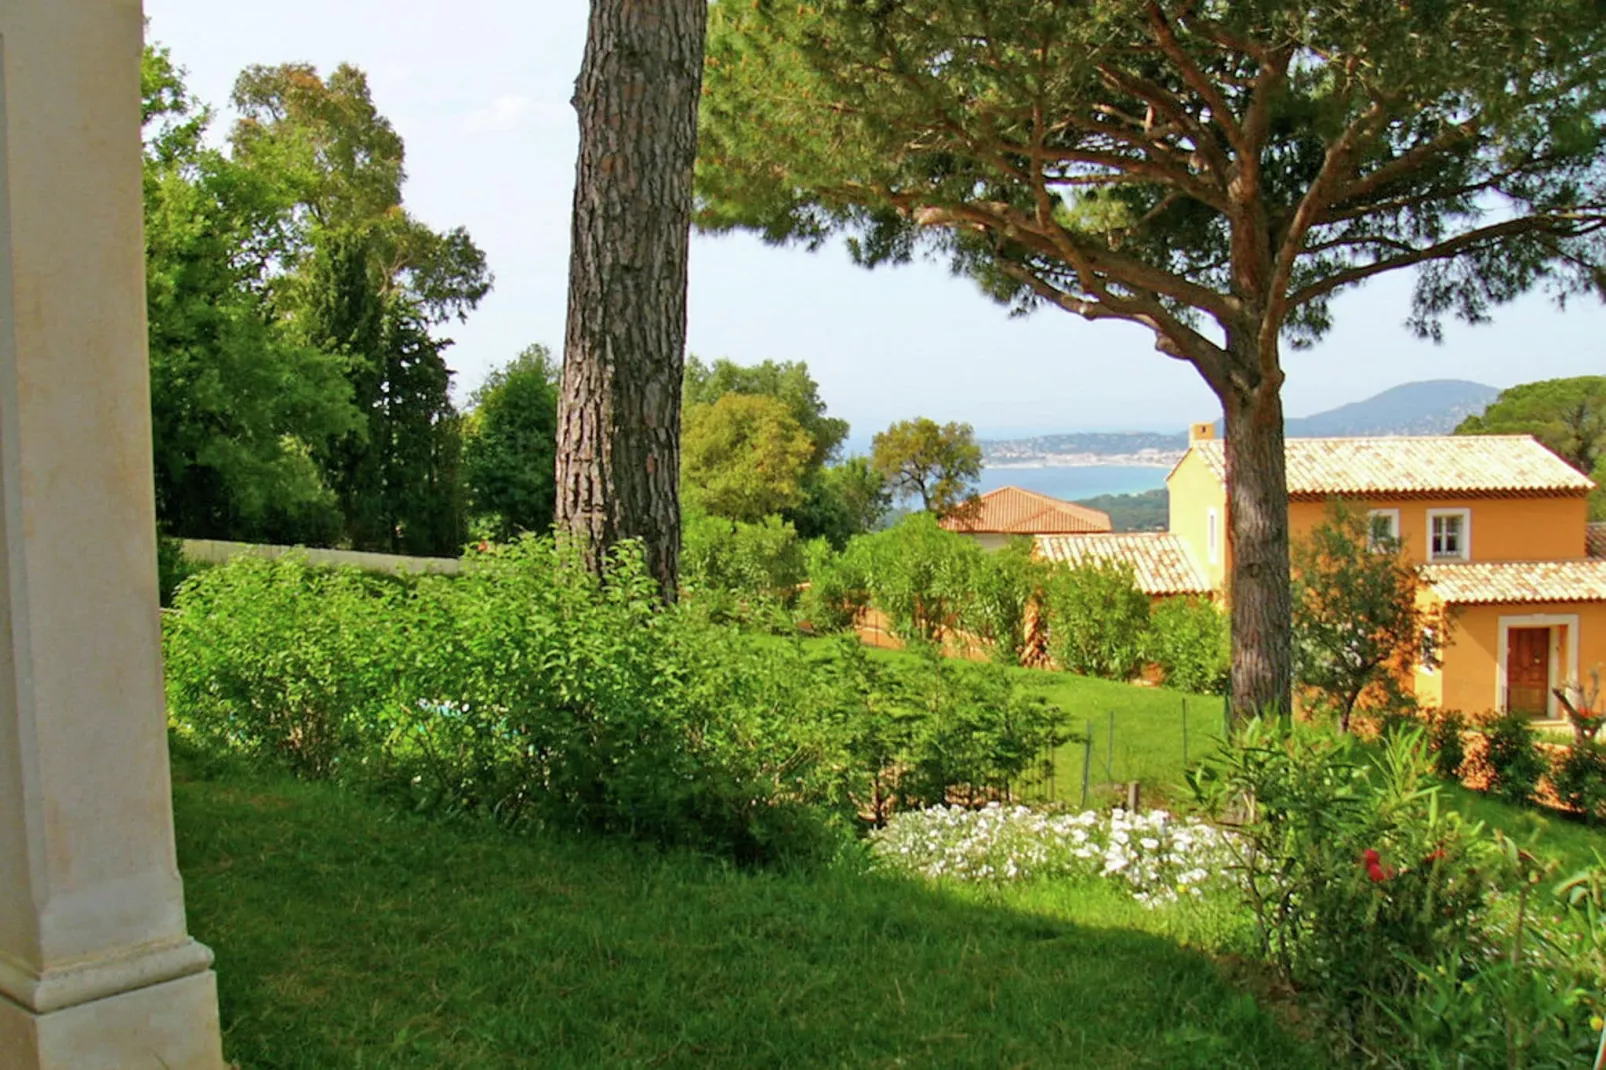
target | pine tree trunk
x=618, y=465
x=1262, y=612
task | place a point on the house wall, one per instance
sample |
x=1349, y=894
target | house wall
x=991, y=540
x=1469, y=679
x=1195, y=491
x=1502, y=529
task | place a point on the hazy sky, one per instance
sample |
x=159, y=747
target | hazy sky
x=480, y=91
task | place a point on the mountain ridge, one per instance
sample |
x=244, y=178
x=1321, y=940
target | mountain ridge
x=1424, y=407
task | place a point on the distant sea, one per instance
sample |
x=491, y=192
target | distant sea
x=1072, y=482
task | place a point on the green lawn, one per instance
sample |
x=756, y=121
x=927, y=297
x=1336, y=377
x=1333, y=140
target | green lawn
x=350, y=937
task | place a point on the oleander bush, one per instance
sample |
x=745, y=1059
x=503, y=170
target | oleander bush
x=1098, y=620
x=1190, y=640
x=1375, y=898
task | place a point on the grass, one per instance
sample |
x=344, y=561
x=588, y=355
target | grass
x=349, y=937
x=1572, y=844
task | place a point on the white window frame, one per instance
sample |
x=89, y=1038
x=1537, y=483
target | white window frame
x=1465, y=553
x=1393, y=516
x=1213, y=536
x=1563, y=663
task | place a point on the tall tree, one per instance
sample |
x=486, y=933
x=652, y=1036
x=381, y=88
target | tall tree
x=937, y=463
x=835, y=503
x=789, y=382
x=239, y=405
x=1567, y=415
x=744, y=457
x=624, y=348
x=1213, y=172
x=362, y=278
x=510, y=450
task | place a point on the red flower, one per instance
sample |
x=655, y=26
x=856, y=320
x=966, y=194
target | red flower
x=1375, y=872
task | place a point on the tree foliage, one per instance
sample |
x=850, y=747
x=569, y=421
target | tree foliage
x=510, y=449
x=363, y=279
x=1360, y=628
x=1567, y=415
x=789, y=382
x=939, y=464
x=1216, y=173
x=839, y=499
x=744, y=457
x=240, y=405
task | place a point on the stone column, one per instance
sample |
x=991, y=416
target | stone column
x=97, y=971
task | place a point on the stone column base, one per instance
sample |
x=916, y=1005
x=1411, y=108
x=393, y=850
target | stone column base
x=170, y=1026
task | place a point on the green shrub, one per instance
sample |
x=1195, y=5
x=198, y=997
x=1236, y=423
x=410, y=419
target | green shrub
x=837, y=589
x=976, y=734
x=1351, y=869
x=1447, y=741
x=995, y=604
x=1511, y=756
x=280, y=659
x=1579, y=777
x=1190, y=639
x=916, y=573
x=1098, y=620
x=740, y=571
x=527, y=691
x=173, y=567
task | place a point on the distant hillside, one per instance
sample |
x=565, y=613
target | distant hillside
x=1432, y=407
x=1149, y=511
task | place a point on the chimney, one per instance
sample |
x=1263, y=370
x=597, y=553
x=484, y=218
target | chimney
x=1204, y=432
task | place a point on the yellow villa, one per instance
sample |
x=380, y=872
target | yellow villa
x=1499, y=525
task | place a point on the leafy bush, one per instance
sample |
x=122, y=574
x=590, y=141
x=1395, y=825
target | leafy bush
x=916, y=573
x=1446, y=739
x=1511, y=756
x=976, y=732
x=528, y=691
x=1580, y=778
x=738, y=570
x=1098, y=620
x=1347, y=865
x=278, y=658
x=173, y=567
x=836, y=591
x=1190, y=639
x=997, y=600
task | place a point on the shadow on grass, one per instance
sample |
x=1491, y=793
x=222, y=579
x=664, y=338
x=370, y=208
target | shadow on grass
x=349, y=937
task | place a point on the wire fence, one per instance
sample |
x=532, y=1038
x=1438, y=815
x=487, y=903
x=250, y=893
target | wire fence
x=1109, y=752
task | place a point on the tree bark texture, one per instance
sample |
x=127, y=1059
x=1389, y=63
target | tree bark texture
x=1257, y=537
x=618, y=465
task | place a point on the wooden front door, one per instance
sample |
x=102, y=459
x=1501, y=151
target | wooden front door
x=1528, y=671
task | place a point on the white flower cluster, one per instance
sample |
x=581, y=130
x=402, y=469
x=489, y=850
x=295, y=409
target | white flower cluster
x=1156, y=856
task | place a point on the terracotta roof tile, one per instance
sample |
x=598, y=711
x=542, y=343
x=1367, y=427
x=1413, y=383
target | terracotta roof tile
x=1015, y=511
x=1419, y=465
x=1160, y=561
x=1595, y=539
x=1500, y=582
